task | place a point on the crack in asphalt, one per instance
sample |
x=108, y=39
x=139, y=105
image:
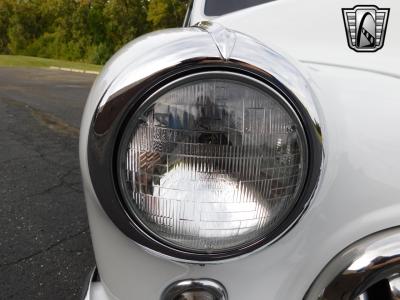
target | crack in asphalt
x=57, y=185
x=48, y=248
x=45, y=247
x=26, y=137
x=7, y=161
x=42, y=156
x=50, y=121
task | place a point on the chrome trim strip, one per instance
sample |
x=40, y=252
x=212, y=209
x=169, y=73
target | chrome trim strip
x=213, y=287
x=87, y=288
x=223, y=38
x=395, y=287
x=94, y=288
x=368, y=261
x=175, y=54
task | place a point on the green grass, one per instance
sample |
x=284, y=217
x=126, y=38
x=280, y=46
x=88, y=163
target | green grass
x=37, y=62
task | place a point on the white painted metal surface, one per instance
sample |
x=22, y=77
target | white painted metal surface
x=311, y=30
x=359, y=190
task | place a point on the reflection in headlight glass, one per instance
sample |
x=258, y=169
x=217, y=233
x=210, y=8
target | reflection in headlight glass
x=212, y=164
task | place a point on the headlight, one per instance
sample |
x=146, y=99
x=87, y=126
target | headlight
x=205, y=145
x=212, y=162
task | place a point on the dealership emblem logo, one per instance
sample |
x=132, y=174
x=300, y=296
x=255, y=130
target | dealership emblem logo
x=365, y=27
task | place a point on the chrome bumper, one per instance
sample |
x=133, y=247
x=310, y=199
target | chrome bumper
x=93, y=289
x=367, y=270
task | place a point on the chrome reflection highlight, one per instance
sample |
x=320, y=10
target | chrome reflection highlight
x=213, y=163
x=395, y=287
x=223, y=38
x=370, y=264
x=200, y=289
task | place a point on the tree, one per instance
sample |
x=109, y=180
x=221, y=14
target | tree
x=5, y=14
x=126, y=20
x=84, y=30
x=166, y=13
x=24, y=25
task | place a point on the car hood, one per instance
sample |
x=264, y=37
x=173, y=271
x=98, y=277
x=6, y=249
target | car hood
x=314, y=31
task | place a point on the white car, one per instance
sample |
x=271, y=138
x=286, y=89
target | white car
x=253, y=154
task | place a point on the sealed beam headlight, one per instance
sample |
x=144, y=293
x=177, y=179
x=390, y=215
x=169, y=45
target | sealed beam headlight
x=212, y=163
x=206, y=148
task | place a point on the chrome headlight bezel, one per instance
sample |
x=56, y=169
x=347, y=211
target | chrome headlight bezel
x=262, y=65
x=132, y=122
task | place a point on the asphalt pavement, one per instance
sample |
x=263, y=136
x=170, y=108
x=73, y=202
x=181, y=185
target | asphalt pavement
x=45, y=247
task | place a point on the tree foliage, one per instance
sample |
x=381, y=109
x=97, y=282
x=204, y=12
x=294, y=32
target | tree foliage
x=166, y=13
x=83, y=30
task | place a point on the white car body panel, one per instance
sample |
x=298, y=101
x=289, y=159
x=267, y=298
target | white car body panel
x=313, y=31
x=359, y=189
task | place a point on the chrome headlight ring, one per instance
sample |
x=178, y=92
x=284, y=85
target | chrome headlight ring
x=190, y=52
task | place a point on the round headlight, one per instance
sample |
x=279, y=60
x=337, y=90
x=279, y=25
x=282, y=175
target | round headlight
x=212, y=162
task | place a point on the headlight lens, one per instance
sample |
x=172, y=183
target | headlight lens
x=212, y=163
